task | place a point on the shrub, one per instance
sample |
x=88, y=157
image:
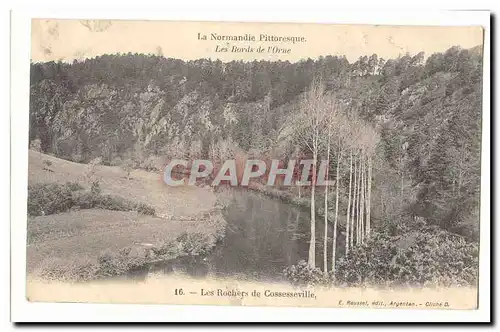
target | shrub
x=168, y=249
x=109, y=264
x=95, y=188
x=426, y=257
x=47, y=164
x=92, y=168
x=36, y=145
x=116, y=161
x=218, y=221
x=84, y=200
x=194, y=244
x=115, y=203
x=77, y=158
x=128, y=166
x=127, y=259
x=145, y=209
x=74, y=186
x=48, y=198
x=303, y=274
x=151, y=164
x=90, y=200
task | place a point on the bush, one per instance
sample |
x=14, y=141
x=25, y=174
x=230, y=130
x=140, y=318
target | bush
x=151, y=164
x=84, y=200
x=109, y=264
x=145, y=209
x=95, y=188
x=194, y=244
x=303, y=274
x=426, y=257
x=92, y=168
x=48, y=198
x=114, y=203
x=47, y=164
x=116, y=161
x=167, y=250
x=89, y=200
x=74, y=186
x=128, y=166
x=36, y=145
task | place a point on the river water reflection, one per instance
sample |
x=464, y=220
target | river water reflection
x=263, y=236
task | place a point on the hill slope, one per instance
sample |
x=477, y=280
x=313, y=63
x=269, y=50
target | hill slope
x=59, y=244
x=145, y=187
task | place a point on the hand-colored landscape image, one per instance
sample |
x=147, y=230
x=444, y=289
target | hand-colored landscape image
x=398, y=136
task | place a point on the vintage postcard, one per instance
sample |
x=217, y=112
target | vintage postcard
x=254, y=164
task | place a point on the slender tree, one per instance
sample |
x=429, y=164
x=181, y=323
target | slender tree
x=358, y=207
x=371, y=140
x=334, y=250
x=310, y=125
x=325, y=237
x=348, y=219
x=354, y=200
x=334, y=119
x=362, y=198
x=369, y=190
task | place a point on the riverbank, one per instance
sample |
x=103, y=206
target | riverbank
x=101, y=248
x=291, y=198
x=86, y=244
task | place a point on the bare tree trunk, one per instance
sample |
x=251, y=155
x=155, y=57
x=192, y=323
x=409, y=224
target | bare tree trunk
x=348, y=219
x=353, y=208
x=325, y=238
x=402, y=175
x=402, y=184
x=295, y=227
x=369, y=194
x=362, y=201
x=334, y=250
x=460, y=173
x=358, y=207
x=312, y=243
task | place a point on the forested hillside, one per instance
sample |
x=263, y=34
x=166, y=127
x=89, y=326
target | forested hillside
x=425, y=113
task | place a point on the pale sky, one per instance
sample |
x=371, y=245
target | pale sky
x=66, y=40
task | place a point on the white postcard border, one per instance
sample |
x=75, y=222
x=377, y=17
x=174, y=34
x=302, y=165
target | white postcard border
x=24, y=311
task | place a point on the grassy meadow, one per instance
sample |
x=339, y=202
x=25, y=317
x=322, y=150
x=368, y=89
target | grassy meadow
x=87, y=243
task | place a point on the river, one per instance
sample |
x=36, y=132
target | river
x=263, y=236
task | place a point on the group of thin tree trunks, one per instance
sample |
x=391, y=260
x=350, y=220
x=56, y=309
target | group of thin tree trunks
x=324, y=126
